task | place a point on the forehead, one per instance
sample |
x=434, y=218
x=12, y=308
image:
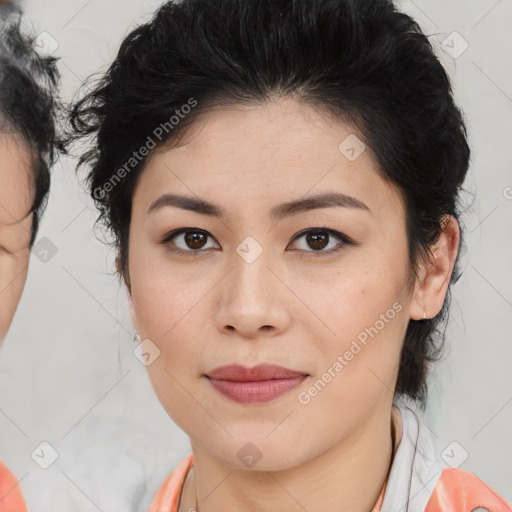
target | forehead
x=16, y=182
x=268, y=151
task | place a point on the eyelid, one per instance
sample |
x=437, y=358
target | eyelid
x=343, y=239
x=169, y=236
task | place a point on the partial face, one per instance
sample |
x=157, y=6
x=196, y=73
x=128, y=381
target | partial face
x=318, y=288
x=16, y=191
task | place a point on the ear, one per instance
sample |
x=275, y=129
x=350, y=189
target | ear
x=435, y=274
x=126, y=277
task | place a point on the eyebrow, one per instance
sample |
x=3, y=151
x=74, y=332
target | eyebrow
x=328, y=200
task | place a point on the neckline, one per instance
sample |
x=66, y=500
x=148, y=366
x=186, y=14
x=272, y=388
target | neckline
x=396, y=436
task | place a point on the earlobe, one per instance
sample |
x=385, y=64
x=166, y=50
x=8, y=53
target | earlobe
x=436, y=273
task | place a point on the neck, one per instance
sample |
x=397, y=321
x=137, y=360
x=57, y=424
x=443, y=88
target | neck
x=347, y=478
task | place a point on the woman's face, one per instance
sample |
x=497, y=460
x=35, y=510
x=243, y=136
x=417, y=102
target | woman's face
x=15, y=226
x=250, y=282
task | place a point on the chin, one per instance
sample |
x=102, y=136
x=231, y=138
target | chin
x=257, y=455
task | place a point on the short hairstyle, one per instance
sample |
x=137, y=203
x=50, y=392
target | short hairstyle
x=360, y=61
x=28, y=102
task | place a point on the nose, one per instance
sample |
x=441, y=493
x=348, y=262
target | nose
x=254, y=300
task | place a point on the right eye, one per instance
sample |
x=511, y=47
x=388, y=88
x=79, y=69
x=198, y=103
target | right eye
x=186, y=240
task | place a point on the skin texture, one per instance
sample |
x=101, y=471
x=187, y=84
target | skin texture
x=289, y=307
x=15, y=225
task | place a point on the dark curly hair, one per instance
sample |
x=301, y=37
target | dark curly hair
x=360, y=61
x=28, y=102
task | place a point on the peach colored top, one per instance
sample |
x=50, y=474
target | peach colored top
x=168, y=496
x=455, y=490
x=11, y=499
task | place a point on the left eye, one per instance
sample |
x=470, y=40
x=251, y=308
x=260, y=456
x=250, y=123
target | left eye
x=321, y=238
x=189, y=240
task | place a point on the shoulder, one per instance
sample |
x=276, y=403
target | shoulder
x=459, y=490
x=11, y=499
x=167, y=497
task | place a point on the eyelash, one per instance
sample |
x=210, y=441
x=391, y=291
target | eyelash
x=343, y=239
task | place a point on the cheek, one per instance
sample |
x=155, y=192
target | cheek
x=359, y=333
x=344, y=301
x=168, y=308
x=174, y=388
x=12, y=281
x=161, y=313
x=165, y=304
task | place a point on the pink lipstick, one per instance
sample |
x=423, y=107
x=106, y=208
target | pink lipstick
x=259, y=384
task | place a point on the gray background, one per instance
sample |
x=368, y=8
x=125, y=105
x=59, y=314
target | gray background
x=67, y=372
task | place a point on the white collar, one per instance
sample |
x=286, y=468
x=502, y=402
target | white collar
x=415, y=469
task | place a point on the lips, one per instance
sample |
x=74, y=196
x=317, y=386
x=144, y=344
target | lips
x=236, y=372
x=254, y=385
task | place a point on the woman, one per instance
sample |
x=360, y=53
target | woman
x=281, y=179
x=27, y=139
